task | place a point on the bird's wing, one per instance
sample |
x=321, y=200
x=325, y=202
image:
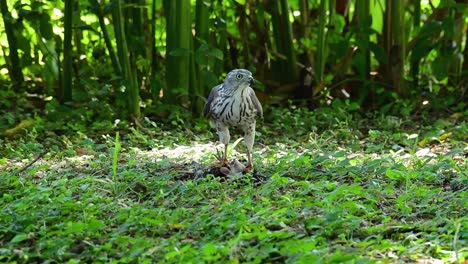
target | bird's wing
x=256, y=103
x=211, y=97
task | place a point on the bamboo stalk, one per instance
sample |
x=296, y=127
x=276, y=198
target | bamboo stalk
x=222, y=41
x=321, y=42
x=67, y=84
x=416, y=25
x=306, y=29
x=135, y=27
x=129, y=72
x=97, y=10
x=465, y=55
x=178, y=38
x=195, y=85
x=464, y=87
x=398, y=50
x=456, y=68
x=202, y=19
x=198, y=86
x=154, y=61
x=119, y=34
x=285, y=71
x=363, y=16
x=77, y=34
x=14, y=70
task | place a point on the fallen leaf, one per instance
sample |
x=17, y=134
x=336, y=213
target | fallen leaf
x=456, y=115
x=84, y=151
x=444, y=136
x=176, y=226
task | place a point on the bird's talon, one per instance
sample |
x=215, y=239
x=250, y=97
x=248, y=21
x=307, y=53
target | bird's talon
x=248, y=168
x=221, y=163
x=218, y=155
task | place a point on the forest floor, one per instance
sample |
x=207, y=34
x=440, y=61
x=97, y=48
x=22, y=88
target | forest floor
x=328, y=187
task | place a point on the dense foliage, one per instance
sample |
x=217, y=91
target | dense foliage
x=139, y=53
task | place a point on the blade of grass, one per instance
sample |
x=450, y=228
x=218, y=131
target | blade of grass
x=115, y=162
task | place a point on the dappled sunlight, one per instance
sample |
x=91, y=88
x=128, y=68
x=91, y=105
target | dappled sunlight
x=197, y=151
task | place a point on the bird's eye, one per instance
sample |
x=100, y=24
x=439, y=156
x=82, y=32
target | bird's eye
x=239, y=76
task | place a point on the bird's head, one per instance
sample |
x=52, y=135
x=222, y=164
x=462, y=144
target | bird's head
x=239, y=79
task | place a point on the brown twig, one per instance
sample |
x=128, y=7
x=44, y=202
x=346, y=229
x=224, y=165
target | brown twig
x=32, y=162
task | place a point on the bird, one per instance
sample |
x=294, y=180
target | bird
x=233, y=103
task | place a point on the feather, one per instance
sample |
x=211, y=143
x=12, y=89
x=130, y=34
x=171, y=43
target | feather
x=211, y=97
x=256, y=103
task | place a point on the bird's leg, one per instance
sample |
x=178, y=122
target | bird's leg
x=225, y=152
x=249, y=138
x=221, y=158
x=249, y=166
x=224, y=137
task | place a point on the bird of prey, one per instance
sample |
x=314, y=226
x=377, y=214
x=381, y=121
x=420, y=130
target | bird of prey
x=234, y=104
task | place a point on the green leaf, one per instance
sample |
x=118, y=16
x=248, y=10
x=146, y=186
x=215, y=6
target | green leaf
x=393, y=174
x=448, y=27
x=209, y=78
x=18, y=238
x=201, y=55
x=421, y=49
x=29, y=15
x=75, y=227
x=179, y=52
x=209, y=249
x=46, y=27
x=84, y=26
x=95, y=224
x=379, y=53
x=430, y=29
x=217, y=53
x=440, y=67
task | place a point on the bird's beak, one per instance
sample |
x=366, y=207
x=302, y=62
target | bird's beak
x=251, y=81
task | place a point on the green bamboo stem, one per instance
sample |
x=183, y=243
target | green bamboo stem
x=154, y=61
x=465, y=56
x=128, y=73
x=363, y=16
x=202, y=19
x=67, y=85
x=105, y=33
x=288, y=39
x=77, y=34
x=398, y=50
x=135, y=27
x=306, y=29
x=178, y=39
x=195, y=85
x=222, y=41
x=456, y=68
x=15, y=72
x=416, y=25
x=285, y=71
x=321, y=42
x=199, y=87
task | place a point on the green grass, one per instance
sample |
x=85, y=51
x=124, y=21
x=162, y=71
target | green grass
x=334, y=188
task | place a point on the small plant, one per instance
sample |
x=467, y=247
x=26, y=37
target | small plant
x=115, y=162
